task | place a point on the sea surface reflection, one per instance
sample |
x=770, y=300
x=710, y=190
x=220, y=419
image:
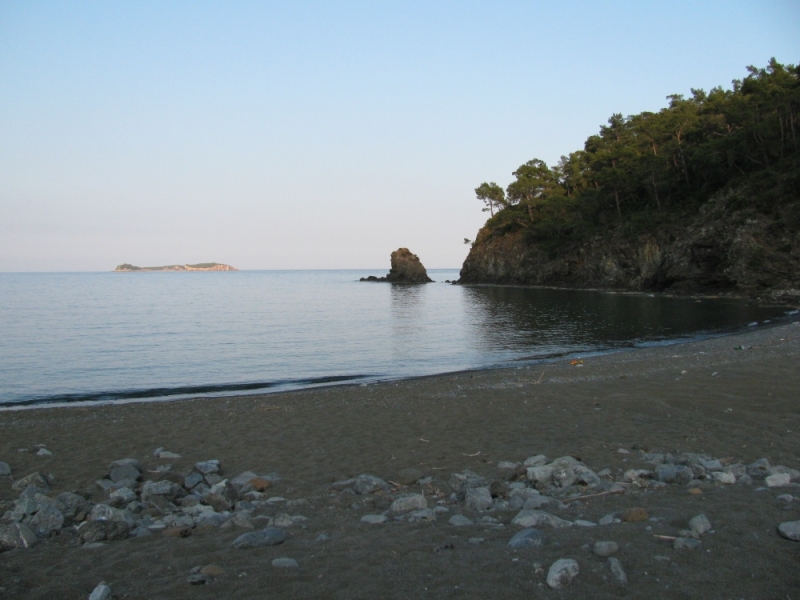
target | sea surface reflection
x=88, y=337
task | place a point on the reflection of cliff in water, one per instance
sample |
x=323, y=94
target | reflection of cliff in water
x=539, y=321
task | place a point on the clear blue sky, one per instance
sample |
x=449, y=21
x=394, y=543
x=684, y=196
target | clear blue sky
x=321, y=134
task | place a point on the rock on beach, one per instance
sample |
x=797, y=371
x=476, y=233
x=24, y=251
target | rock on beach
x=562, y=572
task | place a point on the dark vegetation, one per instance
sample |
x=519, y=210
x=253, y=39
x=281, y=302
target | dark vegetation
x=652, y=170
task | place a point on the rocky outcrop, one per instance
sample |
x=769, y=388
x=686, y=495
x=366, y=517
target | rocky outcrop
x=742, y=252
x=406, y=268
x=128, y=268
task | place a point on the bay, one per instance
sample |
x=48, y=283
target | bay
x=89, y=337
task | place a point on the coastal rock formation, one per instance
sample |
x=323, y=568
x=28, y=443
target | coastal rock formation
x=739, y=252
x=406, y=268
x=128, y=268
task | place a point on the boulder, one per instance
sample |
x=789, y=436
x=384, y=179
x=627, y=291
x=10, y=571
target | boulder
x=406, y=268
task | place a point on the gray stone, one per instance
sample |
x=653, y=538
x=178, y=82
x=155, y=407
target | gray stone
x=199, y=579
x=126, y=471
x=712, y=465
x=562, y=572
x=537, y=501
x=44, y=452
x=534, y=518
x=343, y=483
x=5, y=470
x=541, y=474
x=535, y=461
x=605, y=549
x=47, y=520
x=586, y=475
x=285, y=563
x=164, y=454
x=699, y=525
x=103, y=512
x=759, y=468
x=123, y=495
x=207, y=467
x=527, y=538
x=794, y=474
x=126, y=461
x=674, y=474
x=683, y=543
x=617, y=571
x=745, y=480
x=778, y=480
x=408, y=503
x=479, y=498
x=211, y=518
x=192, y=479
x=426, y=514
x=164, y=488
x=460, y=521
x=723, y=477
x=374, y=519
x=36, y=479
x=584, y=523
x=101, y=592
x=507, y=466
x=240, y=480
x=71, y=502
x=786, y=498
x=271, y=536
x=366, y=484
x=790, y=530
x=16, y=535
x=564, y=476
x=607, y=519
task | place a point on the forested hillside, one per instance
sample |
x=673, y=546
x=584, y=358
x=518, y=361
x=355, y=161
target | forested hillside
x=660, y=200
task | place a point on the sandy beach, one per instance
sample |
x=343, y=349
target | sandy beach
x=733, y=398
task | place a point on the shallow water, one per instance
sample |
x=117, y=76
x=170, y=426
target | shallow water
x=72, y=337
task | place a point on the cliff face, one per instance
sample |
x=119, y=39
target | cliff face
x=742, y=252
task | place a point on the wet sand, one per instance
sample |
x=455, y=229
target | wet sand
x=705, y=397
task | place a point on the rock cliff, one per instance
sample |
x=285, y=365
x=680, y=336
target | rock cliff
x=720, y=250
x=405, y=268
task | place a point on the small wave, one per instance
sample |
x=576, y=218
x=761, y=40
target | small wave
x=190, y=390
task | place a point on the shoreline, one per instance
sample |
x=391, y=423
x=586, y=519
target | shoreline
x=732, y=398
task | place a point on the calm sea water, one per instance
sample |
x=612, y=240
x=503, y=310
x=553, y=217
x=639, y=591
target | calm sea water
x=84, y=337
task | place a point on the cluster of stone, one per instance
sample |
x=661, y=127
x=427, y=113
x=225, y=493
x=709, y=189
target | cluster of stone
x=139, y=503
x=539, y=483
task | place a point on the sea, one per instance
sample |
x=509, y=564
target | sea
x=83, y=338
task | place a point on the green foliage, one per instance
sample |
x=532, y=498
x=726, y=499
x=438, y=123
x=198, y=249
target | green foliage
x=492, y=195
x=647, y=170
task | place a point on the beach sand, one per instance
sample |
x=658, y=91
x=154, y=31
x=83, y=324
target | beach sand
x=705, y=397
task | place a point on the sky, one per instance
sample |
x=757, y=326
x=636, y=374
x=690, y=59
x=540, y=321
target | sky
x=321, y=135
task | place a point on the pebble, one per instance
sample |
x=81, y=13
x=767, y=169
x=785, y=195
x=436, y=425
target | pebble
x=408, y=503
x=787, y=498
x=527, y=538
x=476, y=540
x=635, y=514
x=285, y=563
x=607, y=520
x=790, y=530
x=534, y=518
x=5, y=470
x=699, y=525
x=460, y=521
x=101, y=592
x=604, y=549
x=683, y=543
x=367, y=484
x=617, y=571
x=44, y=452
x=778, y=480
x=584, y=523
x=535, y=461
x=206, y=467
x=168, y=454
x=199, y=579
x=374, y=519
x=271, y=536
x=562, y=572
x=479, y=498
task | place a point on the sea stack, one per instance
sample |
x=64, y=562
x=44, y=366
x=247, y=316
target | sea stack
x=406, y=268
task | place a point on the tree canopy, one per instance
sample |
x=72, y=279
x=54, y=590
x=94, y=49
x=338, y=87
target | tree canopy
x=663, y=163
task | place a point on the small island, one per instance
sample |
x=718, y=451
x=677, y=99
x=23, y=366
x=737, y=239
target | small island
x=212, y=266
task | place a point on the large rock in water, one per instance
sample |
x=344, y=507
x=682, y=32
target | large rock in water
x=406, y=268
